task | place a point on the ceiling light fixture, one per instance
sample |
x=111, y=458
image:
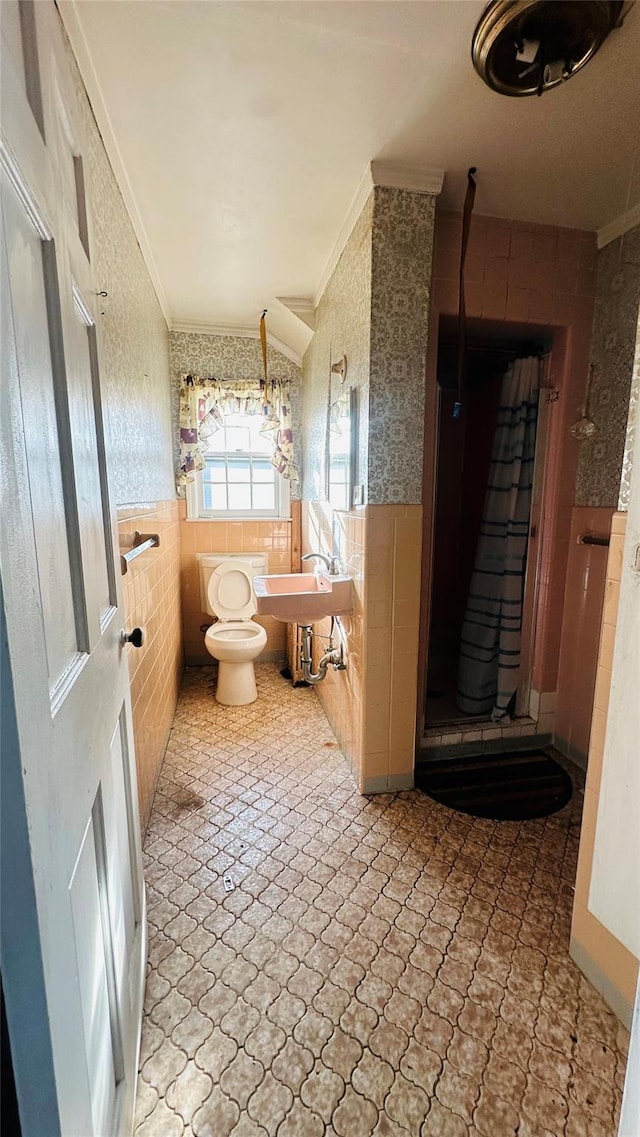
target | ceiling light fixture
x=526, y=47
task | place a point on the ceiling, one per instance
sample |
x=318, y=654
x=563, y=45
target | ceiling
x=240, y=132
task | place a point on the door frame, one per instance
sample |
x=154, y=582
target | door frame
x=540, y=543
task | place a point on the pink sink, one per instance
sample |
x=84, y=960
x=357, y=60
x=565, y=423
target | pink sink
x=303, y=597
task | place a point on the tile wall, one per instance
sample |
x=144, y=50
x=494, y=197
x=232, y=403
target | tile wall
x=342, y=692
x=606, y=962
x=275, y=538
x=151, y=596
x=372, y=705
x=530, y=277
x=393, y=550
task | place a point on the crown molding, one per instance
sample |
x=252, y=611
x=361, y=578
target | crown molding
x=413, y=178
x=302, y=307
x=618, y=226
x=358, y=203
x=72, y=24
x=241, y=331
x=417, y=179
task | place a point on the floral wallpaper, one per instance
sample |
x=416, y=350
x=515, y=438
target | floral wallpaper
x=342, y=327
x=134, y=340
x=402, y=249
x=612, y=353
x=227, y=357
x=234, y=357
x=375, y=310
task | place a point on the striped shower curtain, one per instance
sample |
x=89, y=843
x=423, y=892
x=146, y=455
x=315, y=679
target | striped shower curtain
x=489, y=659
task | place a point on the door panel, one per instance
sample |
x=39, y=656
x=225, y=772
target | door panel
x=100, y=1032
x=40, y=427
x=64, y=620
x=122, y=882
x=107, y=521
x=86, y=464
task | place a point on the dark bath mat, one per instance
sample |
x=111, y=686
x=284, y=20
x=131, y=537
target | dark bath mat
x=516, y=786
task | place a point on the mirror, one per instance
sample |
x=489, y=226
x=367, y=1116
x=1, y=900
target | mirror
x=343, y=420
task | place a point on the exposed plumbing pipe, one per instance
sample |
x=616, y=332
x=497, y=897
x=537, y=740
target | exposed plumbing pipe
x=334, y=657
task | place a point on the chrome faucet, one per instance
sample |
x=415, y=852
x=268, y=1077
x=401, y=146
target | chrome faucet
x=332, y=564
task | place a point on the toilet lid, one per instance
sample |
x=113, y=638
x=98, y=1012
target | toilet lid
x=231, y=592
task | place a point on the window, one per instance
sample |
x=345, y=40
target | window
x=238, y=479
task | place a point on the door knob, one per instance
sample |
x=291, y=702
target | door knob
x=135, y=638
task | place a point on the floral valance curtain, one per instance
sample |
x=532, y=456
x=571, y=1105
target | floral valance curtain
x=205, y=402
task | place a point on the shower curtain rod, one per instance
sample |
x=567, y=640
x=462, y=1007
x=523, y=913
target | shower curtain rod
x=515, y=352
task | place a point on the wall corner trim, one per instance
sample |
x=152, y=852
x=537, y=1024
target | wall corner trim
x=242, y=331
x=620, y=225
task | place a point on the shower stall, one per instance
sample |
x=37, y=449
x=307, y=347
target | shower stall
x=488, y=468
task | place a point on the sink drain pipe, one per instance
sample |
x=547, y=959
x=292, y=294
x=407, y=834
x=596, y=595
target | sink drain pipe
x=333, y=657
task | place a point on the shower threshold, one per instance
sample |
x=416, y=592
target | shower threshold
x=452, y=733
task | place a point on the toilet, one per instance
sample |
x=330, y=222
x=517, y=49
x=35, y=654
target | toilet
x=235, y=640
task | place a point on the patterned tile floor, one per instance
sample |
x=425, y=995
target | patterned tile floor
x=382, y=965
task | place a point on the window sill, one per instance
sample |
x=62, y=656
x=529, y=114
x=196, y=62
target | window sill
x=251, y=519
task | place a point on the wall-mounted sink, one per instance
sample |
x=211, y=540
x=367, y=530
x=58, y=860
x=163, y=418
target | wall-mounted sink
x=303, y=597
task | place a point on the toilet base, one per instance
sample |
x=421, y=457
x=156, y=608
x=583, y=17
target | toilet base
x=236, y=684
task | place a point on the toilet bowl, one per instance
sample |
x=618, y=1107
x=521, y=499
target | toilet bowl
x=235, y=640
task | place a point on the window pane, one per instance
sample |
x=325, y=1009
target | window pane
x=239, y=469
x=215, y=470
x=338, y=481
x=263, y=471
x=238, y=477
x=214, y=495
x=240, y=498
x=264, y=497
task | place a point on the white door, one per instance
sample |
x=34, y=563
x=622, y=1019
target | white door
x=72, y=767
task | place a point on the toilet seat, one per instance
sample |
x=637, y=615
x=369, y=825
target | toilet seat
x=238, y=632
x=230, y=592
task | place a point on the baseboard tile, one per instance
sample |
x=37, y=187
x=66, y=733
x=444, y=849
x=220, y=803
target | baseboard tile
x=596, y=976
x=387, y=784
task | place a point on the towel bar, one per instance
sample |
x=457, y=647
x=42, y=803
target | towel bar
x=141, y=542
x=591, y=539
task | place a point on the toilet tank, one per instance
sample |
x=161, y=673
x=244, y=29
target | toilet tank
x=208, y=562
